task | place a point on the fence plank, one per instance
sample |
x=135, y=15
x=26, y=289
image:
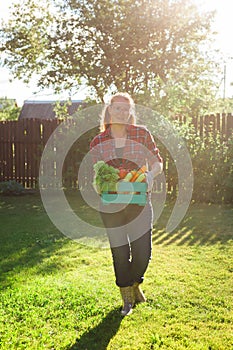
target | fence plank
x=224, y=126
x=229, y=123
x=9, y=145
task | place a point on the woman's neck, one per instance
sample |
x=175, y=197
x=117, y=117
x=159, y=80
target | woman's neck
x=118, y=131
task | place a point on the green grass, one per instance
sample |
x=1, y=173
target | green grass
x=58, y=294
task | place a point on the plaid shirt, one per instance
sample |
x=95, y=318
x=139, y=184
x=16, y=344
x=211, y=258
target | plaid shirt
x=140, y=148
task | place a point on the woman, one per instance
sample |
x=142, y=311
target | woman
x=122, y=143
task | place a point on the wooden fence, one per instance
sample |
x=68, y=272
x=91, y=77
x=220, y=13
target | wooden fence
x=221, y=123
x=21, y=146
x=22, y=143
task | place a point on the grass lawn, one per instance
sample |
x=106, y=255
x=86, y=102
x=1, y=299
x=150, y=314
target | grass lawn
x=58, y=294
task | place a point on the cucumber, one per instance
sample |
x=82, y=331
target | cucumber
x=128, y=177
x=140, y=178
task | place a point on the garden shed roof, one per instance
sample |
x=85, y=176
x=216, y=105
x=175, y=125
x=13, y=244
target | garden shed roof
x=45, y=109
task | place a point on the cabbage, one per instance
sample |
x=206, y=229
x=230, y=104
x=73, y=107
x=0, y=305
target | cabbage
x=106, y=177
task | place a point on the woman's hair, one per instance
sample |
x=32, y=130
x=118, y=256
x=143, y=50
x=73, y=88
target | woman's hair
x=105, y=116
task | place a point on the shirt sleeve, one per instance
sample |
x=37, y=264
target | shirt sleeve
x=154, y=155
x=94, y=150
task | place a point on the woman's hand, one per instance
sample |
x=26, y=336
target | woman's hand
x=149, y=180
x=157, y=168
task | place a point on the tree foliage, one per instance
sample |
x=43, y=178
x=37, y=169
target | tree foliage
x=8, y=109
x=144, y=47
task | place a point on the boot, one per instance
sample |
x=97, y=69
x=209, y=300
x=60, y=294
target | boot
x=138, y=293
x=128, y=300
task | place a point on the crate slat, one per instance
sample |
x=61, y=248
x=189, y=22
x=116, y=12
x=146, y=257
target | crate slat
x=127, y=192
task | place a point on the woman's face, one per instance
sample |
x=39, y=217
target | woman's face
x=119, y=111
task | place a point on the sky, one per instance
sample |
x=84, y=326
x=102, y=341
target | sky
x=223, y=25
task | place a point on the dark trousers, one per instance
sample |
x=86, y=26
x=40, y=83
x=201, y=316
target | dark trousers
x=129, y=231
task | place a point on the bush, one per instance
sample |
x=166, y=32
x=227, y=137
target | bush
x=11, y=187
x=212, y=165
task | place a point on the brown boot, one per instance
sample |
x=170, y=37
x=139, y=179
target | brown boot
x=128, y=300
x=138, y=293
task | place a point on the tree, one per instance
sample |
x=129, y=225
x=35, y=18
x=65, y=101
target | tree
x=8, y=109
x=137, y=46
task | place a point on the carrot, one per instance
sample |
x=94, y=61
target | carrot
x=139, y=172
x=133, y=173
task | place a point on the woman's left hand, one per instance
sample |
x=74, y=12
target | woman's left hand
x=149, y=180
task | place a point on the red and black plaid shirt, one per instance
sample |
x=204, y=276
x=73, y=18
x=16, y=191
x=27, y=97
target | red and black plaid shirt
x=140, y=148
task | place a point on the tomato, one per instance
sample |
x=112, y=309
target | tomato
x=122, y=173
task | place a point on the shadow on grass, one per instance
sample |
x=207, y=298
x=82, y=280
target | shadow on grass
x=204, y=224
x=99, y=337
x=28, y=257
x=27, y=237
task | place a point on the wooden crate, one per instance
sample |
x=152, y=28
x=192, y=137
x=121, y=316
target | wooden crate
x=127, y=192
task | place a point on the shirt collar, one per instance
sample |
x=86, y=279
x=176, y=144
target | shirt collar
x=108, y=130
